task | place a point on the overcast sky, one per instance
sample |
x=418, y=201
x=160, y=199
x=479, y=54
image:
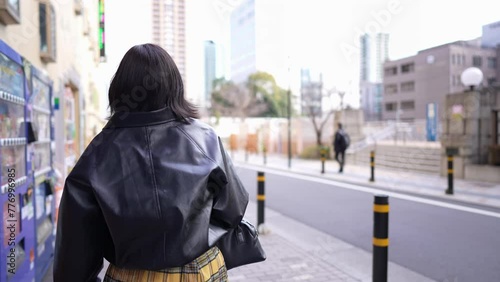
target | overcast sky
x=325, y=33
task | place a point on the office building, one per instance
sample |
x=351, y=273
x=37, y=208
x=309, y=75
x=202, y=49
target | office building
x=374, y=52
x=411, y=83
x=169, y=30
x=258, y=40
x=491, y=35
x=210, y=71
x=311, y=92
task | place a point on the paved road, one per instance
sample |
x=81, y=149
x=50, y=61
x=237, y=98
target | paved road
x=439, y=242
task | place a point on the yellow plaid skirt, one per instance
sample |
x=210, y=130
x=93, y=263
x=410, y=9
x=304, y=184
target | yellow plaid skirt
x=209, y=267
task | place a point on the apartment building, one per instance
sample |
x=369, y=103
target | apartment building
x=169, y=30
x=412, y=83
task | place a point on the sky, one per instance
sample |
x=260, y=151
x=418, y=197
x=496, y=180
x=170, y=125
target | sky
x=321, y=34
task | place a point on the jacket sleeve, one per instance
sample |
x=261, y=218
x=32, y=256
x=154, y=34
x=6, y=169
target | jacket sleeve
x=78, y=249
x=230, y=196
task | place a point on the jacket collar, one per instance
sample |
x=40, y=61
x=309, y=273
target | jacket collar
x=137, y=119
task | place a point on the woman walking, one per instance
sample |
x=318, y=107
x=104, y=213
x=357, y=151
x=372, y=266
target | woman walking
x=143, y=193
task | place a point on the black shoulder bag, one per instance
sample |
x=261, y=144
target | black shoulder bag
x=240, y=245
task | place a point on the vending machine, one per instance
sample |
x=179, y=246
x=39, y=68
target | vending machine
x=17, y=251
x=40, y=155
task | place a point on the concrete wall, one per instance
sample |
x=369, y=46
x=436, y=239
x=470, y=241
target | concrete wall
x=482, y=173
x=273, y=132
x=468, y=127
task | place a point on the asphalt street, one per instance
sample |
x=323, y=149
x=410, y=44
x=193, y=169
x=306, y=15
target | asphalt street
x=445, y=242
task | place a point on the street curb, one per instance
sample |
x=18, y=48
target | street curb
x=432, y=196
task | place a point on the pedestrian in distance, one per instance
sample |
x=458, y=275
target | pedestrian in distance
x=148, y=186
x=341, y=142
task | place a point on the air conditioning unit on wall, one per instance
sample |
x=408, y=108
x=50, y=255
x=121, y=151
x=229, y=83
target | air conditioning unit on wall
x=10, y=12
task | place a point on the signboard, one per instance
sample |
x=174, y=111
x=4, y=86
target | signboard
x=432, y=122
x=102, y=37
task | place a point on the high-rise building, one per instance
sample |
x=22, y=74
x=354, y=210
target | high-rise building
x=258, y=40
x=491, y=35
x=169, y=30
x=374, y=52
x=311, y=92
x=210, y=71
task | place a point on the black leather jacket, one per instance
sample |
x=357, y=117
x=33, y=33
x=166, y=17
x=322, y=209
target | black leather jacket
x=142, y=195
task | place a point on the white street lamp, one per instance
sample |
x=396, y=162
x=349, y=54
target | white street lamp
x=472, y=77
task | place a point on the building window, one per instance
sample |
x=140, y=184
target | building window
x=391, y=89
x=453, y=61
x=390, y=107
x=463, y=59
x=492, y=62
x=10, y=12
x=408, y=86
x=390, y=71
x=492, y=81
x=406, y=68
x=408, y=105
x=477, y=61
x=47, y=32
x=455, y=80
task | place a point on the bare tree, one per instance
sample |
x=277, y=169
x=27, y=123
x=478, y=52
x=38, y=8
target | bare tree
x=312, y=99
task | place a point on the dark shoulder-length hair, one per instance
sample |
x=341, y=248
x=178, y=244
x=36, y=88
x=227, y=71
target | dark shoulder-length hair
x=148, y=79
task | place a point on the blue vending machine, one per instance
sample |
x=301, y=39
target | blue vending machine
x=17, y=252
x=40, y=152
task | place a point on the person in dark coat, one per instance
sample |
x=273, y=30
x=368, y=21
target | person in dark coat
x=340, y=144
x=147, y=187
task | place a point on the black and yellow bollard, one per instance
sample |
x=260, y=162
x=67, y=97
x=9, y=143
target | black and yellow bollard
x=261, y=197
x=380, y=238
x=372, y=166
x=449, y=191
x=323, y=159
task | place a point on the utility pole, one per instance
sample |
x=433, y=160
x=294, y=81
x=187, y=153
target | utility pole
x=289, y=128
x=289, y=94
x=341, y=94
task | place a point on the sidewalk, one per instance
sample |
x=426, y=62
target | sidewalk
x=474, y=192
x=296, y=252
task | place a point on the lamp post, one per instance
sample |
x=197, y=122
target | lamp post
x=341, y=95
x=472, y=77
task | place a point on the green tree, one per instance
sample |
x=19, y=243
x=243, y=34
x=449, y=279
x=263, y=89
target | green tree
x=264, y=87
